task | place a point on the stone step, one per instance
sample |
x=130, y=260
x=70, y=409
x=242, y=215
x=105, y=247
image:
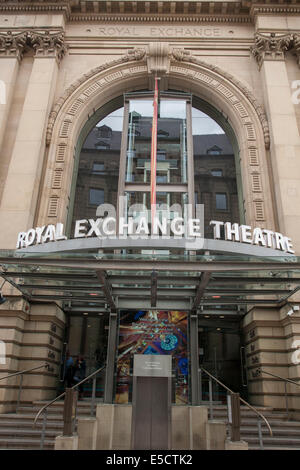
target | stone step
x=246, y=431
x=53, y=410
x=24, y=444
x=28, y=433
x=277, y=441
x=274, y=448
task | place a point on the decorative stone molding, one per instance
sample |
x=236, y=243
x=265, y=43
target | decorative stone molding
x=12, y=45
x=48, y=44
x=44, y=43
x=158, y=59
x=296, y=46
x=270, y=47
x=132, y=55
x=81, y=98
x=181, y=55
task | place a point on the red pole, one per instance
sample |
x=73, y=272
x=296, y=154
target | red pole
x=154, y=153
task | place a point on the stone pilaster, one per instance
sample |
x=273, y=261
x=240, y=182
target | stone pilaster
x=32, y=336
x=11, y=51
x=18, y=207
x=271, y=345
x=269, y=51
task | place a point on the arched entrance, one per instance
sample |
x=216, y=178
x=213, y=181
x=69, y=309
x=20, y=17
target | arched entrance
x=221, y=96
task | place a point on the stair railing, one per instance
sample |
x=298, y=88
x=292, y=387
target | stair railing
x=21, y=373
x=233, y=409
x=70, y=407
x=286, y=381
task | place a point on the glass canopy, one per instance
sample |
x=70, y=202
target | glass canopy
x=98, y=282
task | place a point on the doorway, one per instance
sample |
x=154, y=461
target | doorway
x=221, y=352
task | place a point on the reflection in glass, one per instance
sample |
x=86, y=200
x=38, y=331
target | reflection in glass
x=98, y=167
x=169, y=205
x=171, y=141
x=215, y=172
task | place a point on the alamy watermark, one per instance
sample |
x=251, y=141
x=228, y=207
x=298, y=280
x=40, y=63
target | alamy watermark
x=296, y=93
x=296, y=353
x=2, y=92
x=2, y=353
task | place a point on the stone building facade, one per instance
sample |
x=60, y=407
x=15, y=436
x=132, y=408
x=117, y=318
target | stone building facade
x=63, y=64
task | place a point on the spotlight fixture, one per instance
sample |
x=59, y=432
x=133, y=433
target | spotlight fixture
x=294, y=308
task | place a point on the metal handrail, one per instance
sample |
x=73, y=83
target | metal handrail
x=286, y=381
x=63, y=394
x=279, y=377
x=24, y=371
x=21, y=373
x=241, y=399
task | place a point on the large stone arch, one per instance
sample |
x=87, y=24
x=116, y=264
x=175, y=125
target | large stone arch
x=184, y=72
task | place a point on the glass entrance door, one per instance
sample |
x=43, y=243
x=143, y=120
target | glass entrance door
x=220, y=343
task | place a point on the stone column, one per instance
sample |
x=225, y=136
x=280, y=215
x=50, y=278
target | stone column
x=269, y=52
x=18, y=207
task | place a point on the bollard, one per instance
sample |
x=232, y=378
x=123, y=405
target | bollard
x=236, y=417
x=70, y=405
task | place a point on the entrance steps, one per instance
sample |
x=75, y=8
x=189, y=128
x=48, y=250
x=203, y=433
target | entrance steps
x=17, y=431
x=286, y=434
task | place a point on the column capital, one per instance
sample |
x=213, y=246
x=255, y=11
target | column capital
x=296, y=46
x=47, y=44
x=270, y=46
x=12, y=44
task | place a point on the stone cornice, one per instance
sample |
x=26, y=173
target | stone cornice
x=45, y=43
x=228, y=11
x=24, y=6
x=163, y=18
x=267, y=9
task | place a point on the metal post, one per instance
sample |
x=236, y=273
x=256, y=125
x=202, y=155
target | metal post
x=110, y=361
x=261, y=444
x=43, y=429
x=211, y=414
x=229, y=408
x=286, y=399
x=19, y=393
x=75, y=408
x=194, y=356
x=200, y=387
x=229, y=414
x=69, y=411
x=236, y=417
x=93, y=395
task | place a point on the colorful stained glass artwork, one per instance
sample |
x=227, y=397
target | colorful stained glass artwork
x=152, y=332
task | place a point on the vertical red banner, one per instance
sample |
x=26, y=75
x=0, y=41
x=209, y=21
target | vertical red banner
x=154, y=153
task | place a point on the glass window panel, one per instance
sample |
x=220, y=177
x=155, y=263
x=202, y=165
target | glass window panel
x=96, y=196
x=98, y=167
x=169, y=205
x=215, y=172
x=171, y=141
x=221, y=201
